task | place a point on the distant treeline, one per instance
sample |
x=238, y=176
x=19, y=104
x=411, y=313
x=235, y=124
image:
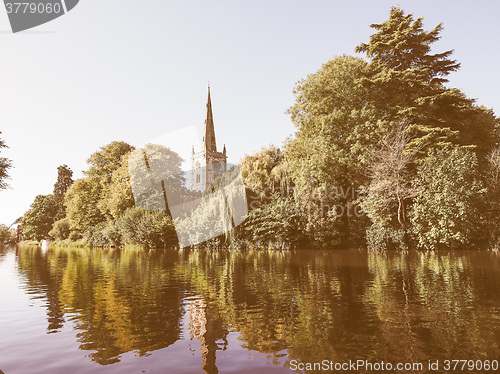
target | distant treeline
x=385, y=155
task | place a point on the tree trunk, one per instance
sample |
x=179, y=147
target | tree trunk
x=401, y=212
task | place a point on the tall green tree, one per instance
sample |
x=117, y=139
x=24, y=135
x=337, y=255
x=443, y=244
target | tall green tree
x=104, y=162
x=5, y=165
x=118, y=196
x=406, y=81
x=102, y=165
x=327, y=158
x=4, y=233
x=64, y=181
x=401, y=45
x=81, y=201
x=333, y=121
x=47, y=209
x=344, y=113
x=38, y=220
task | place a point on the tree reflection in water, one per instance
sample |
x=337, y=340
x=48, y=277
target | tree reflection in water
x=208, y=330
x=118, y=301
x=302, y=305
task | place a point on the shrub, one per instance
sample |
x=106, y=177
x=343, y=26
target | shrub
x=151, y=229
x=60, y=229
x=446, y=214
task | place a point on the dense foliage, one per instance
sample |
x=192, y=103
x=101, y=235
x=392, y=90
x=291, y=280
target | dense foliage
x=385, y=155
x=38, y=221
x=4, y=233
x=5, y=165
x=64, y=181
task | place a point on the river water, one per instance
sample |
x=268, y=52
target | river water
x=73, y=310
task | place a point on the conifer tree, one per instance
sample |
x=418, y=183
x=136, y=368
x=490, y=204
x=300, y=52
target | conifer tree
x=64, y=181
x=407, y=82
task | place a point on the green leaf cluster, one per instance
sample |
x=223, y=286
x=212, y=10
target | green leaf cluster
x=387, y=135
x=5, y=165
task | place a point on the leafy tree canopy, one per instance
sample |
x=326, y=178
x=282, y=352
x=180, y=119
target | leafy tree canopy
x=5, y=165
x=64, y=181
x=108, y=159
x=405, y=81
x=4, y=233
x=81, y=201
x=402, y=44
x=38, y=220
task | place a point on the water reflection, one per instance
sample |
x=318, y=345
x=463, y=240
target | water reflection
x=118, y=302
x=3, y=251
x=304, y=305
x=209, y=330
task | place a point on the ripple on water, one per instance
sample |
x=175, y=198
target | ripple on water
x=102, y=311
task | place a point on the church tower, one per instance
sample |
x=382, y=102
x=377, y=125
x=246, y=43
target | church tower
x=207, y=164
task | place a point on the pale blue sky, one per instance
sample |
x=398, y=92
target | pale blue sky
x=134, y=70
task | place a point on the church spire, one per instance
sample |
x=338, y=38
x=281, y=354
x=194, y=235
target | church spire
x=209, y=144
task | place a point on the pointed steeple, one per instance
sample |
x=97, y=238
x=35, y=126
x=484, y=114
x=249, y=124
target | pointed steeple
x=209, y=144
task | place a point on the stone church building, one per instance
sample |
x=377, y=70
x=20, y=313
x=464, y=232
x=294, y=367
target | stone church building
x=208, y=163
